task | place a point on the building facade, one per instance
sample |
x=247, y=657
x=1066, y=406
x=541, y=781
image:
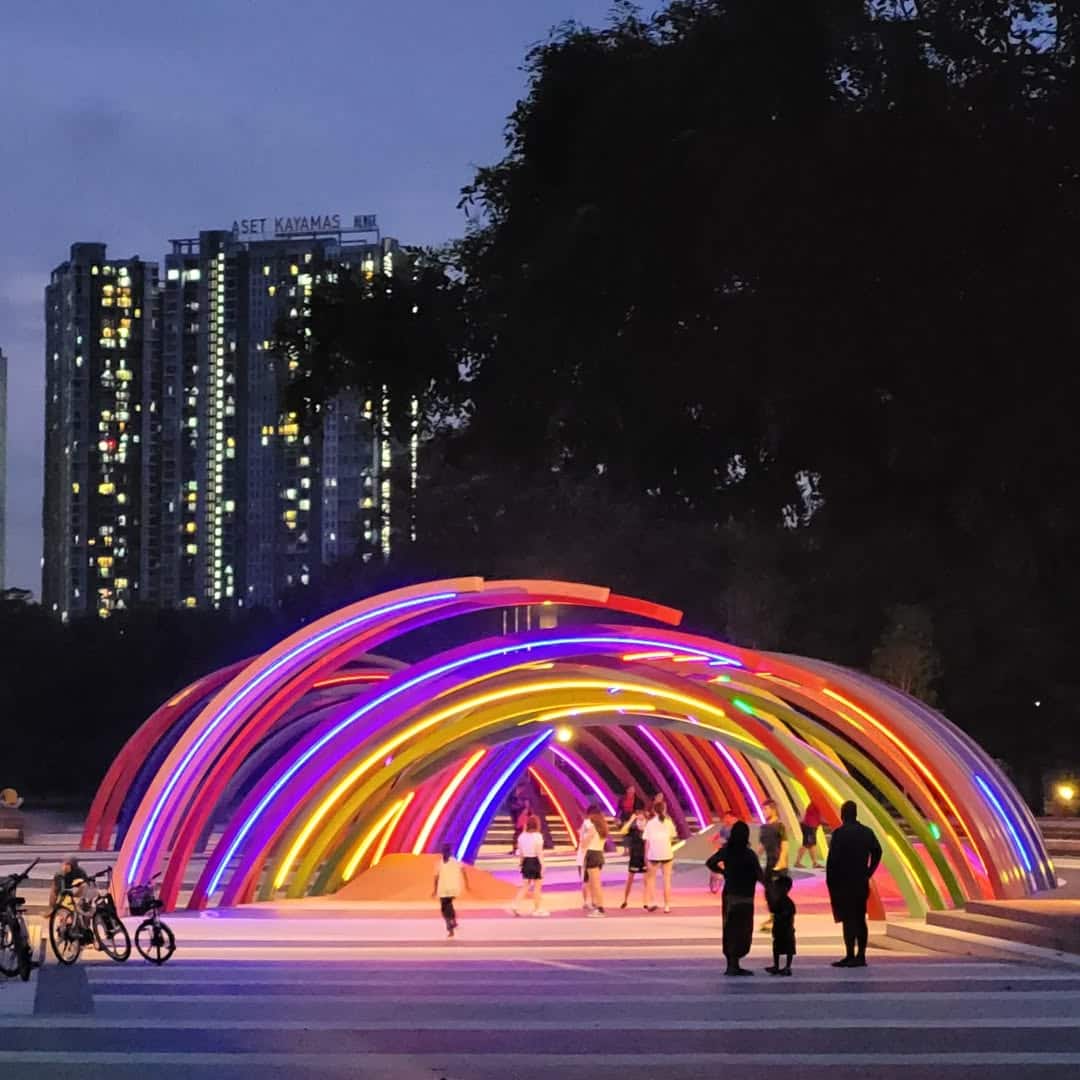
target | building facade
x=236, y=502
x=101, y=348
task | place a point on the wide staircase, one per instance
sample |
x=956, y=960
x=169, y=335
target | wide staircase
x=499, y=838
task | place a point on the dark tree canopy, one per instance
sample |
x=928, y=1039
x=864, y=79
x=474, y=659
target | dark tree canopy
x=768, y=311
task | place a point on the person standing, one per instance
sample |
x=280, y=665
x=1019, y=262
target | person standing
x=783, y=929
x=772, y=842
x=530, y=847
x=450, y=879
x=627, y=805
x=583, y=838
x=742, y=872
x=515, y=805
x=594, y=836
x=634, y=831
x=854, y=855
x=811, y=822
x=660, y=835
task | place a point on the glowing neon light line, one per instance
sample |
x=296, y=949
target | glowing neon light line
x=444, y=798
x=369, y=839
x=247, y=689
x=743, y=780
x=380, y=851
x=534, y=773
x=348, y=680
x=1005, y=820
x=510, y=771
x=592, y=782
x=394, y=691
x=684, y=781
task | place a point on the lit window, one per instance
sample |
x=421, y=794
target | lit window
x=190, y=527
x=189, y=601
x=192, y=549
x=75, y=488
x=107, y=488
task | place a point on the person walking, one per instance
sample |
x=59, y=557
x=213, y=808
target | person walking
x=854, y=855
x=660, y=835
x=450, y=879
x=634, y=831
x=594, y=834
x=811, y=822
x=783, y=928
x=530, y=848
x=772, y=842
x=742, y=872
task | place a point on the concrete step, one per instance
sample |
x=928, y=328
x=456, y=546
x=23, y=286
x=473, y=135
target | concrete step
x=1041, y=936
x=1063, y=915
x=941, y=939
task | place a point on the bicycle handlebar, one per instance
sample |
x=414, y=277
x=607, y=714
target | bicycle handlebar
x=14, y=880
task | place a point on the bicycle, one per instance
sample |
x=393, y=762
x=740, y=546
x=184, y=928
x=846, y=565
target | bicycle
x=83, y=917
x=153, y=938
x=16, y=954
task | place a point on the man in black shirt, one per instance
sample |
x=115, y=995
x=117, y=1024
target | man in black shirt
x=854, y=855
x=772, y=842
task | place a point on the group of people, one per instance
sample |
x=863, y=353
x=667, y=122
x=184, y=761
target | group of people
x=650, y=834
x=854, y=855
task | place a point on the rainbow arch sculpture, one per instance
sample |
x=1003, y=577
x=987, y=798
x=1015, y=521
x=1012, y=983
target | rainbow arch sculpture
x=293, y=771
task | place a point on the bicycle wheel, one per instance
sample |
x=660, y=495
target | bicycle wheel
x=111, y=935
x=155, y=941
x=64, y=935
x=9, y=959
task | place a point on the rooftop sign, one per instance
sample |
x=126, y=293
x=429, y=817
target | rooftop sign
x=263, y=228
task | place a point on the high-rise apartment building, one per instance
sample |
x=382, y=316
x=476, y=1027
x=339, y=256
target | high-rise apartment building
x=236, y=501
x=100, y=345
x=3, y=468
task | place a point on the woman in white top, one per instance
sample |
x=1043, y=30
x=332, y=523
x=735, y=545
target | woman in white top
x=530, y=846
x=660, y=834
x=593, y=836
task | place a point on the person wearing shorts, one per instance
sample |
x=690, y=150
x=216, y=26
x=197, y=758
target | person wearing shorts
x=530, y=847
x=660, y=834
x=593, y=837
x=634, y=831
x=811, y=822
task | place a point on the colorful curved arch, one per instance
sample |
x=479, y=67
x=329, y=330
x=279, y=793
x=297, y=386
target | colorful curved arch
x=312, y=769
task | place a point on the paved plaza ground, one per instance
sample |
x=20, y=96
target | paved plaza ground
x=326, y=989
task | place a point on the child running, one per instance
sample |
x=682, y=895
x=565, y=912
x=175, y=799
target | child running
x=530, y=847
x=783, y=925
x=449, y=880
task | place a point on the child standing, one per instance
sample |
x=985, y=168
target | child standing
x=530, y=847
x=783, y=925
x=449, y=880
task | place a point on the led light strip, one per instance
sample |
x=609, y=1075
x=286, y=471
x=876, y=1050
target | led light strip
x=535, y=774
x=500, y=785
x=684, y=780
x=304, y=647
x=444, y=798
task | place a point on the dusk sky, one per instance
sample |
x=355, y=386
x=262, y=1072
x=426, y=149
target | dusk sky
x=137, y=124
